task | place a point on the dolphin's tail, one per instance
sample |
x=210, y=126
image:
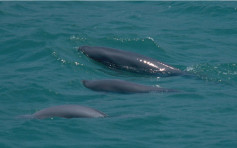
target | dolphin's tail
x=25, y=117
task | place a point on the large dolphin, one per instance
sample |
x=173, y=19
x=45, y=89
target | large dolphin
x=66, y=111
x=121, y=86
x=129, y=61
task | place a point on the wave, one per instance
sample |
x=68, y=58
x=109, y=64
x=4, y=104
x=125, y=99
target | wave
x=213, y=9
x=146, y=41
x=221, y=73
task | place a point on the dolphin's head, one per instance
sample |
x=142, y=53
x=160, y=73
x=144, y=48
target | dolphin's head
x=85, y=82
x=85, y=49
x=93, y=84
x=94, y=52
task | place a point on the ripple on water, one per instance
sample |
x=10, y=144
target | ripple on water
x=222, y=73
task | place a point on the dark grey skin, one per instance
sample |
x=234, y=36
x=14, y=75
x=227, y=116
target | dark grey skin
x=66, y=111
x=129, y=61
x=121, y=86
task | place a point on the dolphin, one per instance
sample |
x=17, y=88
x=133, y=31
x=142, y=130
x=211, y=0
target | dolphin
x=121, y=86
x=129, y=61
x=66, y=111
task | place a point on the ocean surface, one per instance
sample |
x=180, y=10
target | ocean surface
x=41, y=67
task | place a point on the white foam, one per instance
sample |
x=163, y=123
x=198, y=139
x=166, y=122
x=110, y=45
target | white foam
x=189, y=68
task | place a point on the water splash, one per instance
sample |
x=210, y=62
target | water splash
x=63, y=61
x=77, y=38
x=146, y=40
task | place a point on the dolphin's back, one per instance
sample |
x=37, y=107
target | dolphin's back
x=66, y=111
x=121, y=86
x=129, y=61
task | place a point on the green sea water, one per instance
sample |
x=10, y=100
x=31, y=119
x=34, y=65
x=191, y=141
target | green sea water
x=41, y=67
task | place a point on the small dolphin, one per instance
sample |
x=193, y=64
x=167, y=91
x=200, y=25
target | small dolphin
x=121, y=86
x=66, y=111
x=129, y=61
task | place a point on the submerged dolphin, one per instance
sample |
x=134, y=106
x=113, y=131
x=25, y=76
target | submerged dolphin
x=66, y=111
x=129, y=61
x=121, y=86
